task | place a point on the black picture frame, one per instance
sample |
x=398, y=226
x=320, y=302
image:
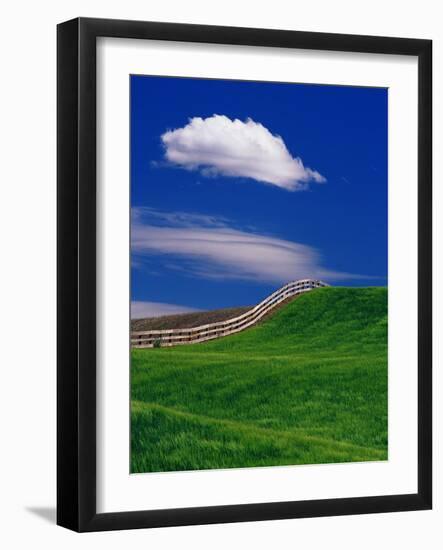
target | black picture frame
x=76, y=266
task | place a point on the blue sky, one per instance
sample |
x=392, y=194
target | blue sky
x=239, y=187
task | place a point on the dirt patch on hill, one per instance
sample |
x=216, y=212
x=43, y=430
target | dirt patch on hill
x=188, y=320
x=199, y=318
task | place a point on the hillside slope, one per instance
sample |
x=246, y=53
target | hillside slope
x=308, y=385
x=187, y=320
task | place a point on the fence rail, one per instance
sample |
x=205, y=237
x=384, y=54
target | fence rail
x=181, y=336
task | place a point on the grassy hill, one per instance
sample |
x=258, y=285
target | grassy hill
x=308, y=385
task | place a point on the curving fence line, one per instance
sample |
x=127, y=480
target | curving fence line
x=181, y=336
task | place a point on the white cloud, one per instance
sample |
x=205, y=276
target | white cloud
x=214, y=249
x=143, y=310
x=176, y=219
x=219, y=145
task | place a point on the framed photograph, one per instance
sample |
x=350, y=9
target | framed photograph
x=244, y=274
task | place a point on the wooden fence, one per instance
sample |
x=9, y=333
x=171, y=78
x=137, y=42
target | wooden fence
x=181, y=336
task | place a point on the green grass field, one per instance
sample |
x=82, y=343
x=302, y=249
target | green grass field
x=308, y=385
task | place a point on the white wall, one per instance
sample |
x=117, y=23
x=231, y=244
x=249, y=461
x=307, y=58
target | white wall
x=27, y=292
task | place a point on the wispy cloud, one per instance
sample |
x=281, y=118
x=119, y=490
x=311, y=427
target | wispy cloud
x=142, y=310
x=176, y=219
x=218, y=145
x=209, y=247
